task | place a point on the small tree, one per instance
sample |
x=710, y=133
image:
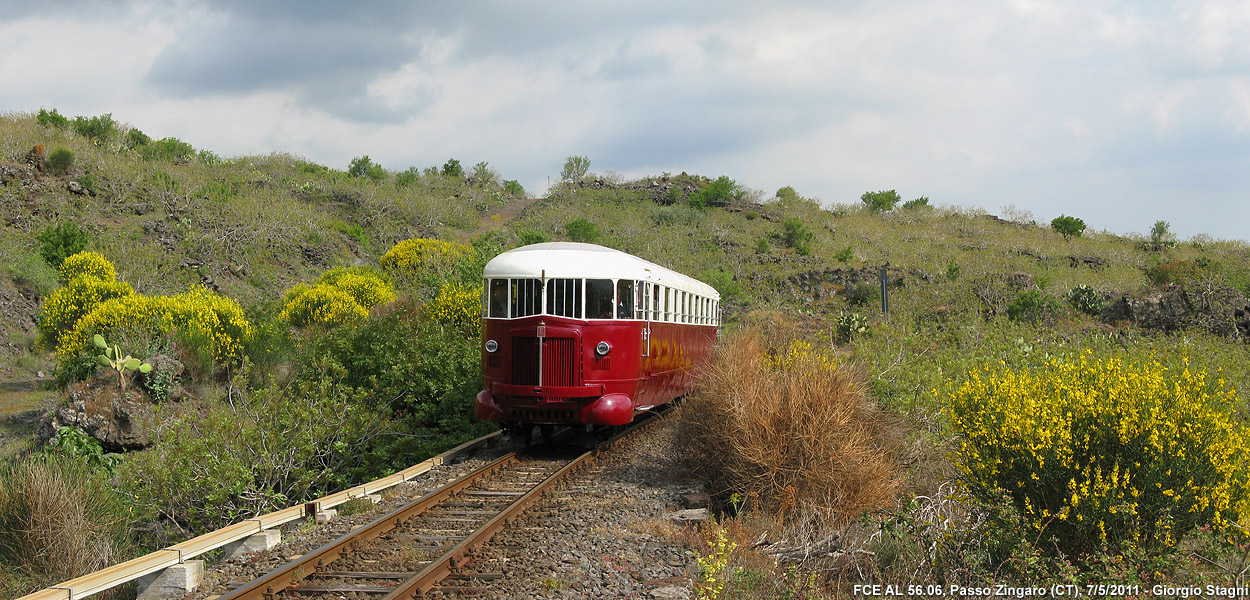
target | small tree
x=1161, y=236
x=61, y=240
x=1067, y=226
x=798, y=236
x=53, y=118
x=881, y=201
x=575, y=168
x=452, y=168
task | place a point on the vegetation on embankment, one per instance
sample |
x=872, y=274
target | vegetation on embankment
x=352, y=372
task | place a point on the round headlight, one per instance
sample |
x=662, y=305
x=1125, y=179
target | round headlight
x=602, y=348
x=492, y=345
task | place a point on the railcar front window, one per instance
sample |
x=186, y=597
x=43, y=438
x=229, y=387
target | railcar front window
x=497, y=299
x=526, y=297
x=599, y=299
x=564, y=297
x=625, y=299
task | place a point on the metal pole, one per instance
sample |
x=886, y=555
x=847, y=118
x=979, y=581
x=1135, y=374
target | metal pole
x=885, y=295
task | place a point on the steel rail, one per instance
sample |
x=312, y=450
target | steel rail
x=291, y=573
x=446, y=564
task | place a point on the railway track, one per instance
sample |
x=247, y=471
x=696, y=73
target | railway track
x=425, y=546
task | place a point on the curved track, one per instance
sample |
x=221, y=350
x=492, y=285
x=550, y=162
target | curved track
x=425, y=545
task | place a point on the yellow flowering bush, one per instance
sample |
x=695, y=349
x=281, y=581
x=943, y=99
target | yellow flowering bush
x=321, y=304
x=87, y=263
x=199, y=314
x=420, y=256
x=64, y=307
x=457, y=305
x=1098, y=454
x=365, y=286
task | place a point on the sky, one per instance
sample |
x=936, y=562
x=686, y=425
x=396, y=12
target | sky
x=1120, y=113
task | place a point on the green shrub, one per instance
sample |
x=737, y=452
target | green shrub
x=87, y=264
x=797, y=236
x=136, y=138
x=1181, y=271
x=761, y=245
x=208, y=157
x=1030, y=307
x=1068, y=227
x=880, y=201
x=532, y=236
x=581, y=230
x=101, y=128
x=844, y=255
x=1100, y=455
x=167, y=149
x=716, y=193
x=407, y=177
x=862, y=293
x=60, y=241
x=272, y=448
x=407, y=360
x=952, y=269
x=513, y=188
x=362, y=166
x=1085, y=299
x=724, y=282
x=921, y=202
x=787, y=193
x=60, y=161
x=53, y=118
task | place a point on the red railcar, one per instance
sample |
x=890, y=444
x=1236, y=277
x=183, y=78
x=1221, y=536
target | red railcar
x=586, y=335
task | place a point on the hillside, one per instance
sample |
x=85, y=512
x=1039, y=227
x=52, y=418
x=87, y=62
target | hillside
x=966, y=289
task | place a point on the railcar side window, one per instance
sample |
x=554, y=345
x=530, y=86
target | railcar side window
x=564, y=297
x=599, y=299
x=625, y=299
x=655, y=303
x=497, y=299
x=668, y=312
x=526, y=297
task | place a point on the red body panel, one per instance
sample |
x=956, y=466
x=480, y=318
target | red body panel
x=577, y=385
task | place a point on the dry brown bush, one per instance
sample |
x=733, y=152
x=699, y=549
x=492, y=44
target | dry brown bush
x=787, y=425
x=58, y=520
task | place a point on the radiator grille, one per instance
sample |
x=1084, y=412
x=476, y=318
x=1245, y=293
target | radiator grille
x=559, y=361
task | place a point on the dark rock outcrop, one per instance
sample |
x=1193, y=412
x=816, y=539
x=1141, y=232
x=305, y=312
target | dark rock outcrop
x=96, y=406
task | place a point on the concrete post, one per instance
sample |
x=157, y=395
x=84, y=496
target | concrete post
x=173, y=582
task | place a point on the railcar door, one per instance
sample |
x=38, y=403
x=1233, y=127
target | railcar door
x=645, y=306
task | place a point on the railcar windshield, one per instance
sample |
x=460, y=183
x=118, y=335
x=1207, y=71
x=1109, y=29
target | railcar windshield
x=564, y=297
x=526, y=297
x=497, y=299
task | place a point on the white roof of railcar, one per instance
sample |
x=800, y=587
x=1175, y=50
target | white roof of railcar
x=576, y=260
